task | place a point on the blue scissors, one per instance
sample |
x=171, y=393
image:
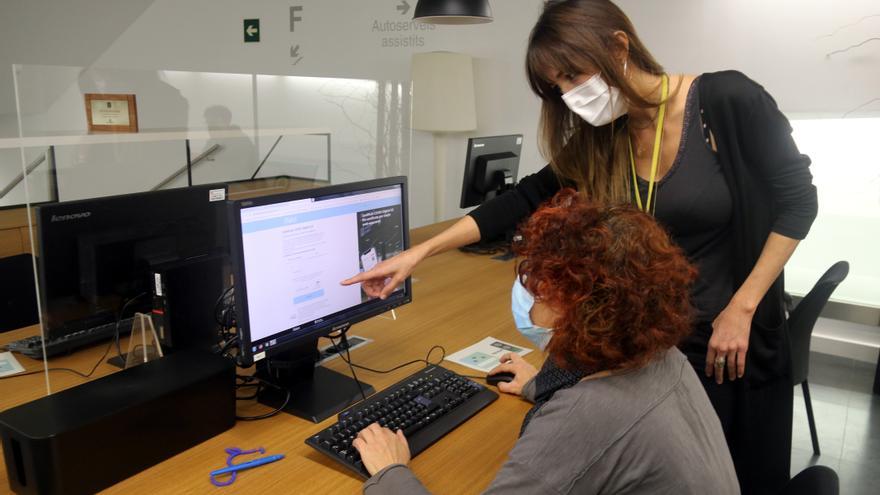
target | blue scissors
x=233, y=469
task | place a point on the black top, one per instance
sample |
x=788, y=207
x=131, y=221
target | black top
x=693, y=204
x=771, y=190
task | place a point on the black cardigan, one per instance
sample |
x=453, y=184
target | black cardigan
x=770, y=184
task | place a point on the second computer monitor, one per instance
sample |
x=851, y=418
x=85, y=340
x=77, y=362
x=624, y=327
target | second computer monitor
x=293, y=250
x=96, y=255
x=490, y=169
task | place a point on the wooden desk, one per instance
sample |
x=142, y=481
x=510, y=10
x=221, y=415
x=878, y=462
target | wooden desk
x=458, y=299
x=14, y=232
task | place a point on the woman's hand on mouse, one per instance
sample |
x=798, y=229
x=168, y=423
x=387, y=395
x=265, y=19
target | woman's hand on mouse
x=380, y=448
x=522, y=370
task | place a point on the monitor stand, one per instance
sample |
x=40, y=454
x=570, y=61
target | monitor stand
x=316, y=392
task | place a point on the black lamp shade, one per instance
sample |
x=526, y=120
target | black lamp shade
x=453, y=11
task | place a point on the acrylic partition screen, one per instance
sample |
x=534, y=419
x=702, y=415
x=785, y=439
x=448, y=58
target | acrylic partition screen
x=256, y=134
x=171, y=108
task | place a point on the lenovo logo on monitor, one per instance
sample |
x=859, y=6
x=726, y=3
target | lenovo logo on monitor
x=71, y=216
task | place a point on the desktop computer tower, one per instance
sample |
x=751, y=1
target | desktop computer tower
x=185, y=295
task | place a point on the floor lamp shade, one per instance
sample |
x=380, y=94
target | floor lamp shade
x=453, y=11
x=443, y=92
x=443, y=102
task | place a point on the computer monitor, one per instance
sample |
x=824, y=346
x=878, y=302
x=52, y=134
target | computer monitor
x=490, y=168
x=290, y=253
x=96, y=254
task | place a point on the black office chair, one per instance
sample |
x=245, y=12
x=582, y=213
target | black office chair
x=800, y=326
x=815, y=480
x=18, y=300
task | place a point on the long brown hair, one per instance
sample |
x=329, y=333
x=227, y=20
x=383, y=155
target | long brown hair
x=577, y=37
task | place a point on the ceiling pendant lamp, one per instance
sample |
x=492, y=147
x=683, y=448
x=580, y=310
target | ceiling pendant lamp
x=453, y=12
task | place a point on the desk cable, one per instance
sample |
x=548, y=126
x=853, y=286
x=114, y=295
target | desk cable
x=34, y=372
x=426, y=360
x=224, y=315
x=246, y=379
x=347, y=357
x=100, y=360
x=116, y=331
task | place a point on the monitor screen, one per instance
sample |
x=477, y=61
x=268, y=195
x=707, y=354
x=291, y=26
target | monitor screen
x=294, y=249
x=96, y=254
x=491, y=168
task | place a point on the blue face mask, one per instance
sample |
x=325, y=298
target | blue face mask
x=521, y=303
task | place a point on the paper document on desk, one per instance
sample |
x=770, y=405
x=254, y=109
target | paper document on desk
x=9, y=365
x=483, y=355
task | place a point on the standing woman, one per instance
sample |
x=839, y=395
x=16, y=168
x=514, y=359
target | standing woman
x=712, y=158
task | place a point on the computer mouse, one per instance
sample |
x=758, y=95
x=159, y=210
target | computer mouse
x=503, y=376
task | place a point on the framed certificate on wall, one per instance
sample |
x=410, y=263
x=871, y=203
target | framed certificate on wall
x=111, y=113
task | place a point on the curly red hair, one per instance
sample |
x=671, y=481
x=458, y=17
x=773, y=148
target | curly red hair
x=620, y=286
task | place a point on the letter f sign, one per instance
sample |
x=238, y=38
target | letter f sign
x=293, y=17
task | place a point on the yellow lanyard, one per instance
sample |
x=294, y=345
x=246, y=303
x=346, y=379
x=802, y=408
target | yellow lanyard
x=650, y=207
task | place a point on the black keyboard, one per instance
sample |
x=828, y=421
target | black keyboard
x=426, y=406
x=32, y=347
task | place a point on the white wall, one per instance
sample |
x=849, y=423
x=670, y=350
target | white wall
x=782, y=44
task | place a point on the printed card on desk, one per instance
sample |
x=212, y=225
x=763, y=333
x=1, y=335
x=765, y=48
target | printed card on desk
x=9, y=365
x=483, y=355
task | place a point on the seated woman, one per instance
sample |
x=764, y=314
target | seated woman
x=618, y=409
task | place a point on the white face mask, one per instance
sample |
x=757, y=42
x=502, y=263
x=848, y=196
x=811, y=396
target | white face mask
x=521, y=303
x=596, y=102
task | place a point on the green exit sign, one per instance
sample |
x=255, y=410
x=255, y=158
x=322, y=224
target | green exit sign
x=251, y=30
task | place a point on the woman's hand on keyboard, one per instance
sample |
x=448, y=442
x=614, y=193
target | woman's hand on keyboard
x=380, y=448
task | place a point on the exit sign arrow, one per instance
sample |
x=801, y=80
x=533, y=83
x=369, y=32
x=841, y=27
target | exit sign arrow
x=251, y=30
x=403, y=7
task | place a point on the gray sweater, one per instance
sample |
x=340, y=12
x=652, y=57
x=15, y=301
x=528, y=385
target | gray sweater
x=648, y=431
